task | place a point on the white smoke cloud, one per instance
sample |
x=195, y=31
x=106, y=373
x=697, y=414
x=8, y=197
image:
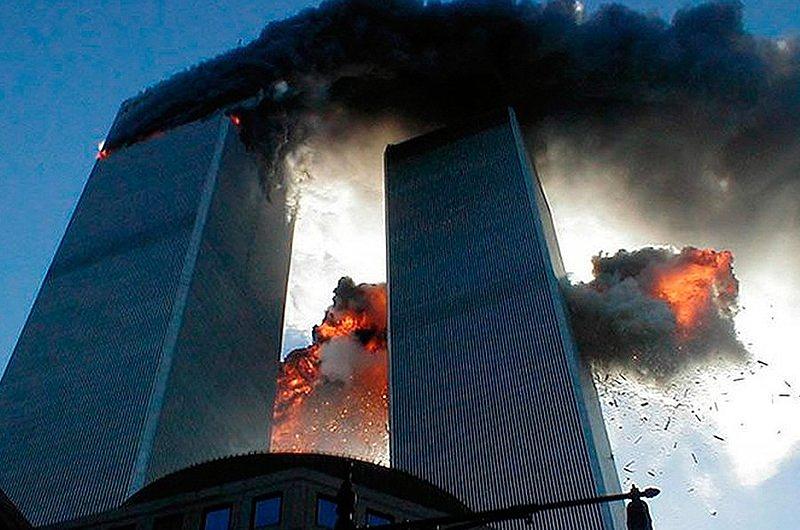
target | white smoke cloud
x=339, y=229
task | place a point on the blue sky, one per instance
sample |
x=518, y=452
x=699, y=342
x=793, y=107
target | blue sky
x=65, y=66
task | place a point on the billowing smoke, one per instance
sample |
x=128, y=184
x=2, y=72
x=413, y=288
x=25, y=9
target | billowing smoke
x=655, y=312
x=681, y=110
x=681, y=132
x=333, y=395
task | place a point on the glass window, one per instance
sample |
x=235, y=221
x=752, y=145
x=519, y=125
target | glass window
x=172, y=521
x=267, y=511
x=378, y=519
x=218, y=519
x=326, y=512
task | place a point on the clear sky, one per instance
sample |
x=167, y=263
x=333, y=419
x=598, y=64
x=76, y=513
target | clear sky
x=65, y=66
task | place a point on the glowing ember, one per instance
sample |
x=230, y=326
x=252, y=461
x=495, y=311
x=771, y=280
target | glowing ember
x=332, y=396
x=696, y=283
x=236, y=120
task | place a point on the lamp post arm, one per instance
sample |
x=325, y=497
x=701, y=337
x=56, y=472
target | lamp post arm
x=519, y=511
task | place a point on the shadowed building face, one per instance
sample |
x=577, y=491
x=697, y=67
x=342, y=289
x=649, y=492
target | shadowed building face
x=488, y=398
x=154, y=341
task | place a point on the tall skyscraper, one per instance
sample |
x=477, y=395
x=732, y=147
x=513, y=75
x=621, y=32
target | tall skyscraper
x=488, y=397
x=154, y=341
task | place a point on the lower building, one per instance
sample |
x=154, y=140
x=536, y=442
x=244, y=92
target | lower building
x=272, y=491
x=10, y=516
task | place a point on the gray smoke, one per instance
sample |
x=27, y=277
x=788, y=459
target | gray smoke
x=656, y=313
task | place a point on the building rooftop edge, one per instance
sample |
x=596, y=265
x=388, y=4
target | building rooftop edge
x=444, y=135
x=246, y=466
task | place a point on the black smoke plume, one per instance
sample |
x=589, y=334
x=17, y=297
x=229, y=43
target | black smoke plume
x=682, y=110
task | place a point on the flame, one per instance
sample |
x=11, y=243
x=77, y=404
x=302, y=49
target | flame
x=236, y=119
x=342, y=413
x=697, y=282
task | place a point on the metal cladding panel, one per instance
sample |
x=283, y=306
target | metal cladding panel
x=221, y=388
x=74, y=398
x=485, y=388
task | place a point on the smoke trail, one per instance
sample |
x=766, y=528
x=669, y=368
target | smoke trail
x=694, y=122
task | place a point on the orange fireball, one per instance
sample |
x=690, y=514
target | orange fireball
x=348, y=413
x=692, y=284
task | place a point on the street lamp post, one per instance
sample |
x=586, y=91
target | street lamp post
x=637, y=513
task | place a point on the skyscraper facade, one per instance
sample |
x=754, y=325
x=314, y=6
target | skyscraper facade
x=488, y=397
x=154, y=341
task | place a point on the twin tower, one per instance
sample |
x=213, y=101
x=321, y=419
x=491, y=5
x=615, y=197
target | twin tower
x=153, y=342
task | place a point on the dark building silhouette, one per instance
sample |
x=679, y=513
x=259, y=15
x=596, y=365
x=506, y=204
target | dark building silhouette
x=154, y=341
x=488, y=397
x=10, y=517
x=272, y=491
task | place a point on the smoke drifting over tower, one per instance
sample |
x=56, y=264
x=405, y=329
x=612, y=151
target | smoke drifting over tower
x=694, y=121
x=691, y=108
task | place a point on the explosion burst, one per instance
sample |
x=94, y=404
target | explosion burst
x=696, y=283
x=655, y=312
x=332, y=396
x=650, y=312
